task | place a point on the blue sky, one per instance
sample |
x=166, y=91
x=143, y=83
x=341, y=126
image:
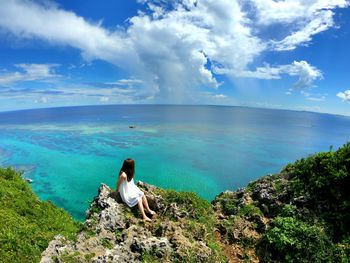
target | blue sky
x=287, y=54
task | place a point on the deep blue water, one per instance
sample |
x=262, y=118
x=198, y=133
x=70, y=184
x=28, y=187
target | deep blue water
x=69, y=151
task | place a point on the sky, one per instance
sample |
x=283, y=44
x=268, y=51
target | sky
x=286, y=54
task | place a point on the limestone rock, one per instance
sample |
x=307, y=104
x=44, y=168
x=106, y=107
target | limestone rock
x=113, y=232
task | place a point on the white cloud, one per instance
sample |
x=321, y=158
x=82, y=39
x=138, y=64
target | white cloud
x=345, y=96
x=42, y=100
x=306, y=73
x=220, y=96
x=104, y=99
x=288, y=11
x=76, y=94
x=314, y=97
x=322, y=98
x=29, y=72
x=126, y=82
x=176, y=46
x=304, y=18
x=174, y=51
x=303, y=36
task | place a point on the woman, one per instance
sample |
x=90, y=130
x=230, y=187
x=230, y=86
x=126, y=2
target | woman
x=129, y=192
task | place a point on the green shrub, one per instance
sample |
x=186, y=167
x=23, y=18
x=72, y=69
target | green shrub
x=325, y=179
x=191, y=202
x=26, y=223
x=292, y=240
x=228, y=203
x=107, y=243
x=288, y=211
x=249, y=209
x=199, y=225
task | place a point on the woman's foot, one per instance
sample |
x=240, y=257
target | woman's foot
x=151, y=212
x=147, y=219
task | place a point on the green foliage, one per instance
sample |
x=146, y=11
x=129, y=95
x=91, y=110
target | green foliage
x=200, y=224
x=70, y=258
x=229, y=206
x=28, y=224
x=107, y=243
x=118, y=234
x=249, y=209
x=87, y=231
x=89, y=256
x=191, y=202
x=278, y=185
x=228, y=203
x=288, y=211
x=292, y=240
x=95, y=209
x=148, y=257
x=325, y=179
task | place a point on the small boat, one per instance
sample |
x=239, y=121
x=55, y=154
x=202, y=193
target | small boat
x=132, y=126
x=28, y=180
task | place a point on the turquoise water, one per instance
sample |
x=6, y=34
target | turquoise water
x=68, y=152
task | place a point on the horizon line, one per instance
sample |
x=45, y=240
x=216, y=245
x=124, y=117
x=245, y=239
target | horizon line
x=174, y=104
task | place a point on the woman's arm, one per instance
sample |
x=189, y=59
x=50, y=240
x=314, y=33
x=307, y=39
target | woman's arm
x=121, y=178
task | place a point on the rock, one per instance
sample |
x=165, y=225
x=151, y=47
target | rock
x=159, y=245
x=112, y=233
x=264, y=193
x=155, y=202
x=301, y=200
x=174, y=211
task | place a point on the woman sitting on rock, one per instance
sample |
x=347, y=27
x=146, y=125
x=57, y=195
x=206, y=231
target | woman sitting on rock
x=129, y=192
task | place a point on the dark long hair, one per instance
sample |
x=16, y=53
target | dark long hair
x=128, y=168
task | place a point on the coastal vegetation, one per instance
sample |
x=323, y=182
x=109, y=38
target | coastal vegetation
x=27, y=224
x=301, y=214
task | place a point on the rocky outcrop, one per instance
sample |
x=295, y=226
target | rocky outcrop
x=112, y=232
x=244, y=215
x=298, y=215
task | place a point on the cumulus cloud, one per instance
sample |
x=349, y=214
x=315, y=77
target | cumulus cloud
x=345, y=96
x=288, y=11
x=176, y=47
x=29, y=72
x=306, y=73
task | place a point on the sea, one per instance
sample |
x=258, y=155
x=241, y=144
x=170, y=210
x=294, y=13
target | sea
x=68, y=152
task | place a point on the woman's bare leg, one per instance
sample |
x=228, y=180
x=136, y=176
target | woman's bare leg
x=140, y=205
x=145, y=203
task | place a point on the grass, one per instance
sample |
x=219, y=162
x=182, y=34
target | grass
x=200, y=224
x=107, y=243
x=28, y=224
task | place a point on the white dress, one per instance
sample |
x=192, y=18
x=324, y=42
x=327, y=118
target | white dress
x=130, y=193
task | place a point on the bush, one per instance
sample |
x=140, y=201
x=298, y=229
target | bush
x=292, y=240
x=325, y=178
x=249, y=209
